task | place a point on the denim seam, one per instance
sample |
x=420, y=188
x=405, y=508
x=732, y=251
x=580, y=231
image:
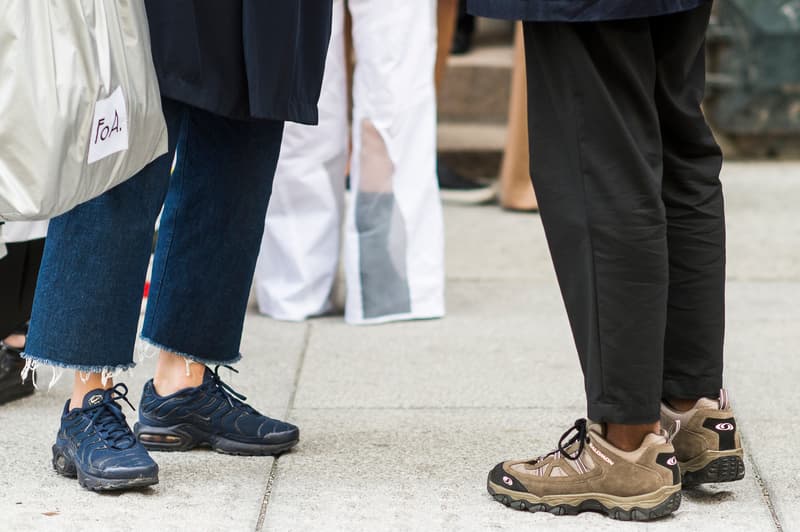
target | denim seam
x=183, y=164
x=193, y=358
x=77, y=367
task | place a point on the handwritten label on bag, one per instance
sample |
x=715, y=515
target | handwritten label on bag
x=109, y=128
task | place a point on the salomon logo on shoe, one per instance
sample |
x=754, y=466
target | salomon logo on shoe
x=670, y=461
x=726, y=431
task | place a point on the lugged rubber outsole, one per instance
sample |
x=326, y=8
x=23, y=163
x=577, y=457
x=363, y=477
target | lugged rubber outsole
x=65, y=466
x=182, y=438
x=663, y=509
x=724, y=469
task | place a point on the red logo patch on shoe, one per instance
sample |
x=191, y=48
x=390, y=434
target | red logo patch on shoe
x=724, y=426
x=507, y=481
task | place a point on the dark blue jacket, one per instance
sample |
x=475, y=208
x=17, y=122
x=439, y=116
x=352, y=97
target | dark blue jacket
x=242, y=58
x=578, y=10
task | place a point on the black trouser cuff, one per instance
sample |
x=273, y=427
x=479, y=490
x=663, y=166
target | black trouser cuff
x=627, y=414
x=693, y=388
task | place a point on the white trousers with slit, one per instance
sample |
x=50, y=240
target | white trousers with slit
x=393, y=229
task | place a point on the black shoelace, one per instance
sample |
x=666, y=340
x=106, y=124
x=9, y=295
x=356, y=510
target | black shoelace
x=581, y=431
x=581, y=436
x=233, y=397
x=108, y=419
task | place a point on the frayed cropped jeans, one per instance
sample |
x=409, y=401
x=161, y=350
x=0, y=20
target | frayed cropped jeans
x=88, y=300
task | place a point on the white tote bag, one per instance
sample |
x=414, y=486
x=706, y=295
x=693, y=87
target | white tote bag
x=80, y=110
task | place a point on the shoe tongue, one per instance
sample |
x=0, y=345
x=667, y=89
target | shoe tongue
x=655, y=439
x=208, y=375
x=93, y=398
x=706, y=403
x=597, y=428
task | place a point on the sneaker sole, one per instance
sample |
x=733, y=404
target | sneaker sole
x=647, y=507
x=65, y=466
x=184, y=437
x=713, y=467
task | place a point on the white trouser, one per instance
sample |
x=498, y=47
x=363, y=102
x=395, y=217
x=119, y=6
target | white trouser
x=394, y=235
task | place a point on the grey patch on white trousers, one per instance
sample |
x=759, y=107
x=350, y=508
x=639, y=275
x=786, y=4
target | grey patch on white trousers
x=382, y=255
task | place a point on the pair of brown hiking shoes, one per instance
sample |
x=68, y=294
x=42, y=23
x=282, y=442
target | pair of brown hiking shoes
x=587, y=473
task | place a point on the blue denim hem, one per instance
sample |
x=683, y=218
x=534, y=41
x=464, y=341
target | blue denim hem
x=41, y=361
x=193, y=358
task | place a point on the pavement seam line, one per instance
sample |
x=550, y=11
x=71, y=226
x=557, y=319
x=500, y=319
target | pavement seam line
x=273, y=472
x=762, y=486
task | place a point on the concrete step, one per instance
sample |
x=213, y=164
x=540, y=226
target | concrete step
x=473, y=102
x=472, y=149
x=476, y=85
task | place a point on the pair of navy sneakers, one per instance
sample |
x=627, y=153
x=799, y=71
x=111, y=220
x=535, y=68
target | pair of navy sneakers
x=96, y=445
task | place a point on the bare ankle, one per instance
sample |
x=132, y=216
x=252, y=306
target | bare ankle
x=85, y=383
x=17, y=341
x=174, y=373
x=630, y=437
x=682, y=405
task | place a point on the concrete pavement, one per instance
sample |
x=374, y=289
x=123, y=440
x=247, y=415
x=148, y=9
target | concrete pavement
x=400, y=423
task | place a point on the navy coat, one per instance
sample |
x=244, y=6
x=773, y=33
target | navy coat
x=244, y=59
x=578, y=10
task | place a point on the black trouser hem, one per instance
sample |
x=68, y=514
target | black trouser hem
x=691, y=388
x=627, y=414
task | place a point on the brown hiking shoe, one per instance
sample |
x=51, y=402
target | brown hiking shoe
x=589, y=474
x=707, y=444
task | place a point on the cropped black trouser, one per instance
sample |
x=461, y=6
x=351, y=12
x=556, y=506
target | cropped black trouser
x=18, y=273
x=626, y=172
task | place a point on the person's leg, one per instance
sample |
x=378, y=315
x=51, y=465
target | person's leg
x=465, y=28
x=596, y=165
x=85, y=315
x=299, y=258
x=209, y=236
x=88, y=299
x=446, y=17
x=708, y=444
x=454, y=187
x=694, y=203
x=516, y=192
x=208, y=243
x=18, y=273
x=394, y=243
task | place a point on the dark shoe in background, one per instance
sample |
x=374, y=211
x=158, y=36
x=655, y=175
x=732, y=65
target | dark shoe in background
x=210, y=415
x=96, y=446
x=457, y=189
x=11, y=385
x=462, y=42
x=465, y=29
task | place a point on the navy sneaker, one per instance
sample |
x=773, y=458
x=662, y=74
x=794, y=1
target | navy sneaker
x=96, y=445
x=210, y=415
